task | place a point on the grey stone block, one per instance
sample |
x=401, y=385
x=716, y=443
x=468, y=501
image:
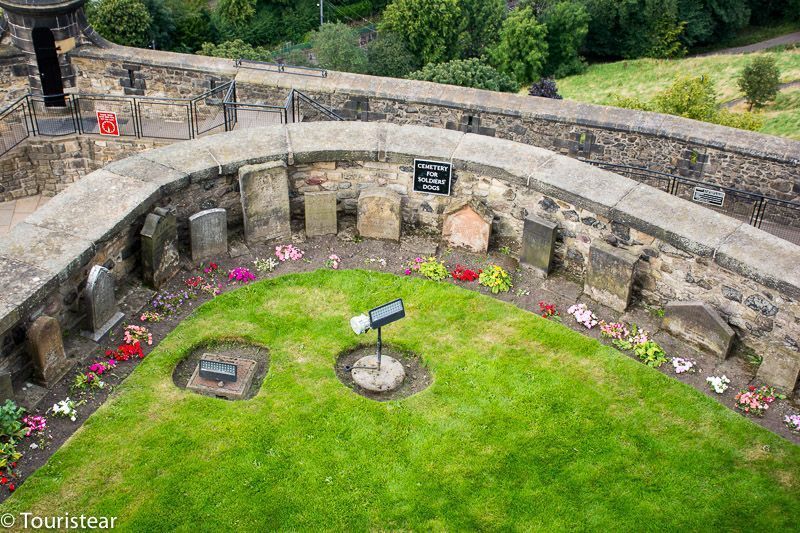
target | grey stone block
x=6, y=387
x=379, y=214
x=46, y=348
x=320, y=213
x=699, y=325
x=265, y=201
x=780, y=368
x=160, y=256
x=102, y=310
x=609, y=278
x=208, y=231
x=538, y=243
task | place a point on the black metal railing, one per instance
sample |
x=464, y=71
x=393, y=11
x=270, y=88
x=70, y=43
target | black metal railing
x=282, y=68
x=15, y=124
x=776, y=216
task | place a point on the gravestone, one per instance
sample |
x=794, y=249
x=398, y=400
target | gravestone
x=780, y=368
x=379, y=214
x=6, y=387
x=538, y=243
x=46, y=348
x=159, y=248
x=467, y=224
x=698, y=324
x=102, y=310
x=209, y=234
x=320, y=211
x=265, y=201
x=609, y=278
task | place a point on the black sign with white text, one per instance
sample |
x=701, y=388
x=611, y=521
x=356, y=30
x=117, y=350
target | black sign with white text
x=432, y=177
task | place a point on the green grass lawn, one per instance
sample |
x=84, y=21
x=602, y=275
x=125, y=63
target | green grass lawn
x=527, y=425
x=644, y=78
x=782, y=117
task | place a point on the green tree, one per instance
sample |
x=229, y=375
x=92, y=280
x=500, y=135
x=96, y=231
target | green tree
x=336, y=46
x=522, y=49
x=125, y=22
x=760, y=81
x=430, y=28
x=481, y=22
x=236, y=13
x=162, y=26
x=193, y=25
x=472, y=72
x=388, y=55
x=236, y=49
x=691, y=98
x=567, y=25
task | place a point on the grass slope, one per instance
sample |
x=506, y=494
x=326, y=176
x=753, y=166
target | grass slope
x=528, y=425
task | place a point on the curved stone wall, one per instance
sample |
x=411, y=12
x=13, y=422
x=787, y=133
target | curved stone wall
x=687, y=252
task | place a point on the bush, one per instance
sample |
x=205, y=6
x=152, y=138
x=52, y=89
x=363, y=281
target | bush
x=236, y=13
x=236, y=49
x=430, y=28
x=522, y=49
x=125, y=22
x=567, y=25
x=466, y=73
x=336, y=46
x=545, y=88
x=631, y=102
x=760, y=81
x=388, y=55
x=691, y=98
x=743, y=121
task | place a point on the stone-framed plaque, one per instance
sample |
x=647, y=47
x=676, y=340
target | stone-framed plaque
x=433, y=177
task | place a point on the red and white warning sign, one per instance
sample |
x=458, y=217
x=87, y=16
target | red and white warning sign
x=107, y=122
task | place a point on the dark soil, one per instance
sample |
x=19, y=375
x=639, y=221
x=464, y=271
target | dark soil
x=418, y=377
x=184, y=370
x=560, y=288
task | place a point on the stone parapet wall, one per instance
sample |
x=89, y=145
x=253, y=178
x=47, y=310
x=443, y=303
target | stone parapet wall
x=686, y=252
x=13, y=76
x=49, y=165
x=734, y=158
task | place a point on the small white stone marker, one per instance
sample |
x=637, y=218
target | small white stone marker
x=388, y=378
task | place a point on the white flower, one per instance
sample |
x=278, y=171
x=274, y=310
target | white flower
x=34, y=445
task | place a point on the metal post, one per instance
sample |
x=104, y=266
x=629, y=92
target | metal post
x=380, y=348
x=321, y=13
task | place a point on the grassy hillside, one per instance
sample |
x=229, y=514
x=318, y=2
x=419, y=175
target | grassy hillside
x=644, y=78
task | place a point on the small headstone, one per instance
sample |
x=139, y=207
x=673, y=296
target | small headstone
x=699, y=324
x=209, y=234
x=609, y=278
x=265, y=201
x=102, y=310
x=159, y=248
x=467, y=224
x=46, y=348
x=780, y=368
x=213, y=386
x=6, y=387
x=379, y=214
x=538, y=243
x=320, y=210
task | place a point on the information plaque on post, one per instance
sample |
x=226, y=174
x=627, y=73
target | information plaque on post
x=433, y=177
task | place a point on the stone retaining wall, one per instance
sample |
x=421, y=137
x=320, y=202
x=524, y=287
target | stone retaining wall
x=686, y=251
x=731, y=157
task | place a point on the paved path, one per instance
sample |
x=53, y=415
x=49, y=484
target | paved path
x=15, y=211
x=789, y=38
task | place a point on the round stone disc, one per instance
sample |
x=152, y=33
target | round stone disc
x=388, y=378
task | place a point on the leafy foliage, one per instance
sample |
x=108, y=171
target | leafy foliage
x=481, y=24
x=388, y=55
x=236, y=49
x=125, y=22
x=545, y=88
x=760, y=81
x=430, y=28
x=567, y=25
x=236, y=13
x=337, y=48
x=10, y=420
x=466, y=73
x=522, y=49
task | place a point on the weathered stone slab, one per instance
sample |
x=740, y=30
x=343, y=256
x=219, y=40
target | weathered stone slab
x=780, y=368
x=700, y=325
x=6, y=387
x=159, y=248
x=208, y=231
x=379, y=214
x=538, y=243
x=46, y=348
x=609, y=278
x=320, y=212
x=467, y=224
x=102, y=310
x=265, y=201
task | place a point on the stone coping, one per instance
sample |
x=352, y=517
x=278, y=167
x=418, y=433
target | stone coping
x=64, y=235
x=526, y=107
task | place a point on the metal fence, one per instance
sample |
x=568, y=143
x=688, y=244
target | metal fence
x=281, y=68
x=776, y=216
x=15, y=124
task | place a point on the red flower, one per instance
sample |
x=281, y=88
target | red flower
x=752, y=388
x=3, y=480
x=12, y=488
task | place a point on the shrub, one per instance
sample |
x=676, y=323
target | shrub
x=760, y=81
x=691, y=98
x=125, y=22
x=388, y=55
x=466, y=73
x=545, y=88
x=567, y=25
x=336, y=46
x=430, y=29
x=496, y=279
x=235, y=49
x=745, y=121
x=522, y=49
